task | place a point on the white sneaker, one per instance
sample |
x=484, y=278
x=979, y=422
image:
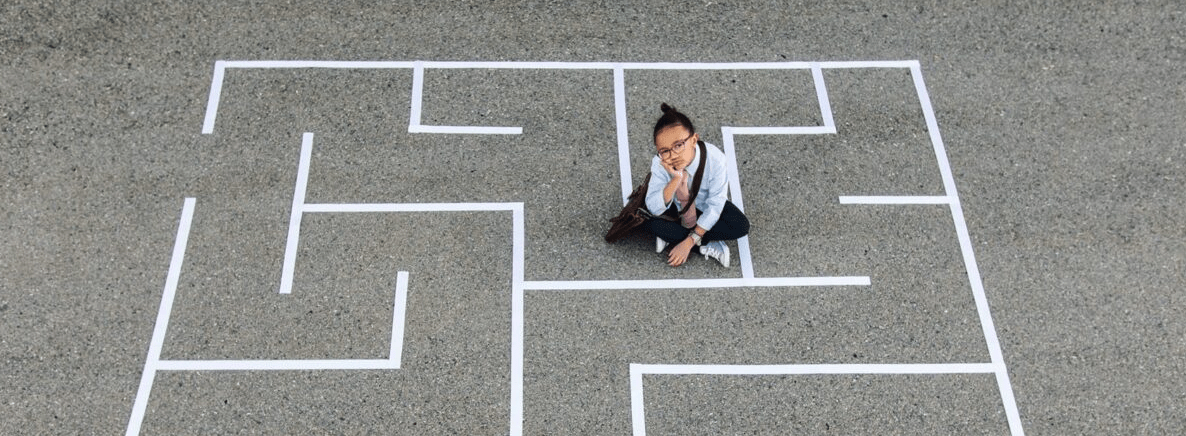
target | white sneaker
x=716, y=250
x=660, y=244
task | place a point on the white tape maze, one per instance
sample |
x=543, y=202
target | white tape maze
x=519, y=286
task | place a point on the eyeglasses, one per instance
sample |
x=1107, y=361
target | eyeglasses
x=676, y=148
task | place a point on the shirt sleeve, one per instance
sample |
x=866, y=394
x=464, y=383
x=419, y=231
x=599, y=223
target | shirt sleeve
x=713, y=190
x=659, y=180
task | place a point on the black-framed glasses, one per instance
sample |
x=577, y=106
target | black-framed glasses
x=678, y=147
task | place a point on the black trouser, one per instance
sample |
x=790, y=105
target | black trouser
x=732, y=225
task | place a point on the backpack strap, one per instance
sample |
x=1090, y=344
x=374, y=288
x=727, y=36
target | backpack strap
x=699, y=173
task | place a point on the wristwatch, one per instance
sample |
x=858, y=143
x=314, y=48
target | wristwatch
x=695, y=237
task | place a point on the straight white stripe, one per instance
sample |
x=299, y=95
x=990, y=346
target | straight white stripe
x=264, y=64
x=965, y=240
x=801, y=130
x=466, y=130
x=276, y=365
x=522, y=65
x=399, y=318
x=408, y=207
x=417, y=95
x=518, y=242
x=716, y=65
x=743, y=250
x=214, y=98
x=638, y=415
x=868, y=64
x=294, y=220
x=623, y=133
x=891, y=199
x=821, y=94
x=152, y=361
x=763, y=282
x=874, y=368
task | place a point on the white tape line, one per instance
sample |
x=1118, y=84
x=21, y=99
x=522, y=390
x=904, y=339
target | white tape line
x=417, y=96
x=623, y=133
x=873, y=368
x=408, y=207
x=151, y=363
x=746, y=258
x=965, y=240
x=266, y=64
x=637, y=413
x=821, y=94
x=466, y=130
x=214, y=98
x=891, y=199
x=517, y=309
x=717, y=66
x=868, y=64
x=763, y=282
x=276, y=365
x=802, y=130
x=743, y=249
x=319, y=64
x=399, y=318
x=294, y=219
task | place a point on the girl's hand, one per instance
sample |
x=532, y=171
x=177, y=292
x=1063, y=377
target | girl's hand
x=679, y=253
x=671, y=170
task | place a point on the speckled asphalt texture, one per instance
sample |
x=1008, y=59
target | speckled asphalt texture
x=1063, y=125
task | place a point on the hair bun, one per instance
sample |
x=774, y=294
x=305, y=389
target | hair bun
x=665, y=108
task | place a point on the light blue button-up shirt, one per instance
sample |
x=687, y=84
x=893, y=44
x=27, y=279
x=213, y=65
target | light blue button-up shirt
x=713, y=187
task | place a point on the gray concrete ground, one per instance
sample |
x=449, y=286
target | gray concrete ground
x=1063, y=123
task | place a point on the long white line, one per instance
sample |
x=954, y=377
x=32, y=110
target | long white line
x=276, y=365
x=294, y=220
x=408, y=207
x=214, y=98
x=623, y=133
x=152, y=361
x=399, y=318
x=264, y=64
x=797, y=130
x=466, y=130
x=965, y=240
x=520, y=65
x=895, y=199
x=857, y=368
x=763, y=282
x=282, y=64
x=519, y=239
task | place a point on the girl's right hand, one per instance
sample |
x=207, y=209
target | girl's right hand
x=671, y=171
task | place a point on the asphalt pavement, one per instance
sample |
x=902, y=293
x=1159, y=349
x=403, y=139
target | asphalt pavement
x=1062, y=126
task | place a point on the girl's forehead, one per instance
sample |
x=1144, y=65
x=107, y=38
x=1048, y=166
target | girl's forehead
x=671, y=134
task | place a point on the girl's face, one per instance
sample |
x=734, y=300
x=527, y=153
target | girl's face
x=674, y=146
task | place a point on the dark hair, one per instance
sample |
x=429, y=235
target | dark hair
x=672, y=117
